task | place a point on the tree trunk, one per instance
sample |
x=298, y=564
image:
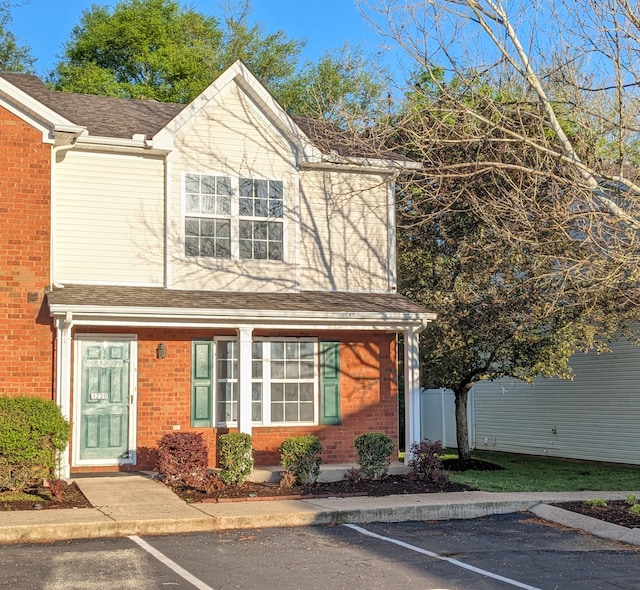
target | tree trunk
x=462, y=428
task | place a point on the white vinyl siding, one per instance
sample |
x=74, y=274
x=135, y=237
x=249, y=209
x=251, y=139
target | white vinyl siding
x=596, y=416
x=231, y=137
x=344, y=232
x=109, y=219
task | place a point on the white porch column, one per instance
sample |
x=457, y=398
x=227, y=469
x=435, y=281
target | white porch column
x=411, y=390
x=245, y=342
x=63, y=383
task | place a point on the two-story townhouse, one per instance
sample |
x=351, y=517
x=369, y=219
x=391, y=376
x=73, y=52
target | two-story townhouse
x=205, y=267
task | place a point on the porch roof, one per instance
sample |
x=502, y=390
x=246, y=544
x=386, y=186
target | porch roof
x=123, y=305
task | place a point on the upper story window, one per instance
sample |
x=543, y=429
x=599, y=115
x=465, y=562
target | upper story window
x=220, y=225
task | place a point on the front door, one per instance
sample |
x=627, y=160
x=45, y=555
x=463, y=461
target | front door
x=106, y=402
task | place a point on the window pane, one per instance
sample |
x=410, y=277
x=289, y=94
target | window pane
x=292, y=349
x=208, y=204
x=275, y=252
x=292, y=370
x=192, y=183
x=261, y=208
x=207, y=247
x=224, y=185
x=277, y=392
x=275, y=232
x=291, y=413
x=246, y=207
x=224, y=206
x=245, y=249
x=207, y=227
x=192, y=226
x=222, y=229
x=291, y=392
x=256, y=392
x=192, y=247
x=262, y=190
x=256, y=369
x=223, y=248
x=306, y=412
x=306, y=370
x=277, y=350
x=256, y=350
x=256, y=412
x=246, y=187
x=259, y=230
x=277, y=370
x=306, y=392
x=277, y=412
x=260, y=250
x=275, y=189
x=193, y=203
x=306, y=350
x=275, y=209
x=246, y=228
x=208, y=185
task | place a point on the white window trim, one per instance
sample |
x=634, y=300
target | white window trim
x=266, y=383
x=234, y=217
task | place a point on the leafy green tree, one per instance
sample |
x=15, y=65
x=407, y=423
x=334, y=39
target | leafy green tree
x=512, y=261
x=340, y=87
x=156, y=49
x=13, y=56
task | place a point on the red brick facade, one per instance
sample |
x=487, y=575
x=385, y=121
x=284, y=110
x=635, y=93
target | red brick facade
x=26, y=336
x=368, y=396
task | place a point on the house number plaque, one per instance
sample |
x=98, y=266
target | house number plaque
x=98, y=396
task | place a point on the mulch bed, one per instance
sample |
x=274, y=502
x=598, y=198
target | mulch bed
x=248, y=491
x=615, y=512
x=71, y=497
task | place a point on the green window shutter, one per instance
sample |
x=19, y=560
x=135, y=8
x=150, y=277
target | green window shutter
x=329, y=382
x=201, y=384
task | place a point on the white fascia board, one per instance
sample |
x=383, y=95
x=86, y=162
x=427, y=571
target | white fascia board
x=346, y=163
x=189, y=317
x=121, y=143
x=239, y=74
x=31, y=111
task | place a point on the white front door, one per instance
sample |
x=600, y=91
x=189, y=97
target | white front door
x=104, y=431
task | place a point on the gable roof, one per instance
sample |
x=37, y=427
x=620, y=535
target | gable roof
x=124, y=118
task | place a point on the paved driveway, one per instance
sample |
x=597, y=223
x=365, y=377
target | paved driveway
x=499, y=552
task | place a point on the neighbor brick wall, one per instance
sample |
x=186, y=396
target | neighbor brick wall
x=26, y=337
x=369, y=400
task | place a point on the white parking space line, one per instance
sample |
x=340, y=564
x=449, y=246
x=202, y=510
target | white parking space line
x=162, y=558
x=442, y=558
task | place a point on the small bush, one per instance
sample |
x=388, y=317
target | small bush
x=596, y=502
x=632, y=499
x=301, y=455
x=425, y=462
x=374, y=454
x=287, y=479
x=635, y=509
x=32, y=434
x=182, y=459
x=353, y=476
x=235, y=456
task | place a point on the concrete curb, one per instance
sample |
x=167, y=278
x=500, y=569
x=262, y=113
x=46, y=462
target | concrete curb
x=596, y=527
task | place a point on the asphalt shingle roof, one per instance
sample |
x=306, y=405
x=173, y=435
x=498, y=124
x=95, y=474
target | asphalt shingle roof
x=305, y=301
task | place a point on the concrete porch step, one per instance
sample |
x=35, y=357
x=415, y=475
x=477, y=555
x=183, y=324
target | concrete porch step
x=329, y=472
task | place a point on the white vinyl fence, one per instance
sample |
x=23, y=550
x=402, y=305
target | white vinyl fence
x=438, y=417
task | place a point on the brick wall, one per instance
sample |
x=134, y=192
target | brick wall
x=26, y=336
x=368, y=399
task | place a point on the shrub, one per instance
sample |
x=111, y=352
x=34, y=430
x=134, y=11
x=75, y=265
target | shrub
x=301, y=455
x=374, y=454
x=635, y=509
x=353, y=475
x=32, y=433
x=287, y=479
x=235, y=456
x=601, y=502
x=425, y=462
x=632, y=499
x=182, y=458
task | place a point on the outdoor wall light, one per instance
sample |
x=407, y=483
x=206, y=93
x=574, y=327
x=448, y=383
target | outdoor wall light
x=161, y=351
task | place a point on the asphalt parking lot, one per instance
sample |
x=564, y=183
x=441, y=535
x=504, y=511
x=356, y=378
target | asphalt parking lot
x=510, y=551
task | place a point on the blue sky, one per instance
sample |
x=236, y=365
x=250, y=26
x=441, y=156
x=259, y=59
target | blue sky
x=45, y=25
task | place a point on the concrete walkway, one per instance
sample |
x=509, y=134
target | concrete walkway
x=136, y=504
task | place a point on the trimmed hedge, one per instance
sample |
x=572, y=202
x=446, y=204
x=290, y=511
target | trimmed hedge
x=182, y=458
x=32, y=433
x=235, y=457
x=301, y=455
x=374, y=454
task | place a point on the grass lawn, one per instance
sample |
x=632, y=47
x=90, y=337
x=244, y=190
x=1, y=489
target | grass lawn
x=526, y=473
